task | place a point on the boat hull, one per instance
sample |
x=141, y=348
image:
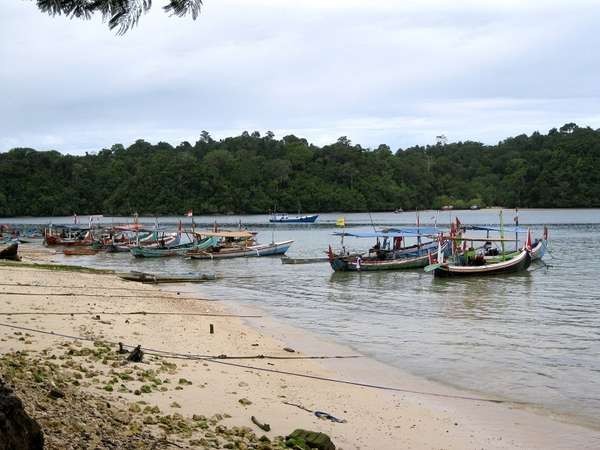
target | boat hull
x=302, y=219
x=517, y=264
x=180, y=250
x=286, y=260
x=412, y=260
x=277, y=248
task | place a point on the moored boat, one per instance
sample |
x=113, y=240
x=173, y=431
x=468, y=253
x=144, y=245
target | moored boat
x=177, y=278
x=462, y=265
x=274, y=248
x=284, y=218
x=384, y=255
x=173, y=250
x=79, y=251
x=288, y=260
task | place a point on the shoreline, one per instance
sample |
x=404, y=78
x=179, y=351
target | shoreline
x=375, y=418
x=386, y=374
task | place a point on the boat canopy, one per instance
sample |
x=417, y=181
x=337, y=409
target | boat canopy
x=422, y=231
x=140, y=228
x=495, y=228
x=390, y=233
x=228, y=234
x=72, y=227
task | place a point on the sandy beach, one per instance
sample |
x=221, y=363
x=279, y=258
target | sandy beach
x=212, y=398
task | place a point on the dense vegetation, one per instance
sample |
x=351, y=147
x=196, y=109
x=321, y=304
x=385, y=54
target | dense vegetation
x=253, y=174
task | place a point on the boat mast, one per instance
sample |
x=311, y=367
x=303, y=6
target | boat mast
x=502, y=234
x=517, y=229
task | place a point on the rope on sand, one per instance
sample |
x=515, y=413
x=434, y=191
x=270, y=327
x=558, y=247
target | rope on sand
x=212, y=359
x=117, y=313
x=169, y=354
x=81, y=287
x=72, y=294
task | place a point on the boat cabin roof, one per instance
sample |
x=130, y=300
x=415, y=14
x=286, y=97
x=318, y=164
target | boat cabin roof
x=228, y=234
x=391, y=232
x=495, y=228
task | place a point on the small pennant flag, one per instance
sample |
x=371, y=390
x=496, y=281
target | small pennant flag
x=341, y=222
x=528, y=241
x=190, y=213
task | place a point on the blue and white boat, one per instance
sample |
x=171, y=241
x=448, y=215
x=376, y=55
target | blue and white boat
x=284, y=218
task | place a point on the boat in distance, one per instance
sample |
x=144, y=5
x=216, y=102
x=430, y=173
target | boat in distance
x=284, y=218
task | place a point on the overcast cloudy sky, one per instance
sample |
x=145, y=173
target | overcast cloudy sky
x=394, y=72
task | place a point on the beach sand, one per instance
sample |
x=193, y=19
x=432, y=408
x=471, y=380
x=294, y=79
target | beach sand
x=374, y=418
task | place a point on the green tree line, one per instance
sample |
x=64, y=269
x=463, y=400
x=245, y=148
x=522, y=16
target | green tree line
x=251, y=173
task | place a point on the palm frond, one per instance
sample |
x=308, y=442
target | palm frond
x=121, y=15
x=182, y=7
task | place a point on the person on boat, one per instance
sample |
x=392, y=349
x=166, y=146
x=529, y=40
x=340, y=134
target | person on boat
x=470, y=256
x=397, y=242
x=376, y=247
x=488, y=250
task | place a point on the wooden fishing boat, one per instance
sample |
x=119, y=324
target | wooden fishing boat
x=461, y=265
x=287, y=260
x=11, y=252
x=384, y=256
x=414, y=258
x=537, y=251
x=78, y=251
x=284, y=218
x=479, y=262
x=274, y=248
x=177, y=278
x=175, y=250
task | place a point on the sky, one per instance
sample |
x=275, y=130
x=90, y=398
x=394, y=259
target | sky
x=379, y=72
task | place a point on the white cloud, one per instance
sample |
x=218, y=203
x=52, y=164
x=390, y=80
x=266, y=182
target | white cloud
x=395, y=72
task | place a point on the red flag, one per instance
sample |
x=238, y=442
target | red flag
x=528, y=241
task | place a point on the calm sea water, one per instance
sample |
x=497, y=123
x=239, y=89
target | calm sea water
x=531, y=337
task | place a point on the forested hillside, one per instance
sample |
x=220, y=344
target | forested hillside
x=253, y=174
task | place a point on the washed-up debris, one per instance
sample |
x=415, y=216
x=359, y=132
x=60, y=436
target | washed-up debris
x=262, y=426
x=137, y=355
x=319, y=414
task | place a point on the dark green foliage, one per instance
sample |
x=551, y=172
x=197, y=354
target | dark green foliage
x=253, y=174
x=120, y=14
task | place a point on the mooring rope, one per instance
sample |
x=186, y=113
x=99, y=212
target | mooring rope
x=118, y=313
x=170, y=354
x=218, y=360
x=81, y=287
x=73, y=294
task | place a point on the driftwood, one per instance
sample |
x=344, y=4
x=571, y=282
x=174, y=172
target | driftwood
x=262, y=426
